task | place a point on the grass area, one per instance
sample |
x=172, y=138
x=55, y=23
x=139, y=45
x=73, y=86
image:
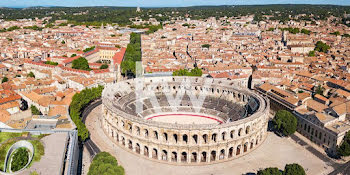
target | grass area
x=8, y=135
x=3, y=151
x=38, y=146
x=19, y=159
x=38, y=150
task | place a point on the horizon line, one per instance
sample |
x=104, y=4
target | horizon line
x=53, y=6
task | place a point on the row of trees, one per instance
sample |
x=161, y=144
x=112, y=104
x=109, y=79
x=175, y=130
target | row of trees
x=184, y=72
x=289, y=169
x=295, y=30
x=133, y=54
x=79, y=101
x=105, y=163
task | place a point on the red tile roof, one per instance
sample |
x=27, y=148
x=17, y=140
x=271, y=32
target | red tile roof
x=119, y=56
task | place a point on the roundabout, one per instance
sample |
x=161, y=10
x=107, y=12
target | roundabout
x=230, y=121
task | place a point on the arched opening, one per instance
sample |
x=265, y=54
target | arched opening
x=205, y=138
x=130, y=128
x=145, y=151
x=204, y=157
x=222, y=154
x=247, y=130
x=252, y=144
x=155, y=135
x=183, y=157
x=155, y=153
x=174, y=155
x=213, y=137
x=212, y=155
x=175, y=138
x=232, y=134
x=245, y=147
x=137, y=148
x=164, y=155
x=117, y=137
x=146, y=133
x=123, y=141
x=223, y=136
x=195, y=138
x=230, y=152
x=184, y=138
x=112, y=133
x=238, y=151
x=165, y=136
x=240, y=132
x=137, y=130
x=194, y=157
x=130, y=144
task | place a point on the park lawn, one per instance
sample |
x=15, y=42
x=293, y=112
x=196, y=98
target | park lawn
x=8, y=135
x=38, y=151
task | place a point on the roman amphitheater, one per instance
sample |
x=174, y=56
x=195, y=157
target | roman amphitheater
x=229, y=122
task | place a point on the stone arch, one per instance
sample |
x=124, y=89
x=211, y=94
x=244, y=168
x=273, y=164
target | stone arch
x=164, y=155
x=204, y=156
x=130, y=144
x=155, y=153
x=238, y=150
x=123, y=140
x=195, y=138
x=240, y=132
x=232, y=133
x=245, y=147
x=213, y=155
x=137, y=148
x=146, y=151
x=230, y=152
x=184, y=157
x=174, y=156
x=205, y=138
x=251, y=144
x=137, y=130
x=185, y=138
x=165, y=136
x=146, y=133
x=223, y=136
x=194, y=157
x=247, y=130
x=155, y=135
x=222, y=154
x=175, y=138
x=214, y=137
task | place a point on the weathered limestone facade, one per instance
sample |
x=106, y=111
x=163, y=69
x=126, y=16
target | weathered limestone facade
x=185, y=143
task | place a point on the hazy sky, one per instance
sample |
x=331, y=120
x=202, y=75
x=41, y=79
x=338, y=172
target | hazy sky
x=159, y=3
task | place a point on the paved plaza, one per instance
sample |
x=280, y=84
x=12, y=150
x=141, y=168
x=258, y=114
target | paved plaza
x=274, y=152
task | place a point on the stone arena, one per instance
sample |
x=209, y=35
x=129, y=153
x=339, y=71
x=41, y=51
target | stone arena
x=229, y=122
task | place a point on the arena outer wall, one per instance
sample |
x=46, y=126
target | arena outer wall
x=187, y=144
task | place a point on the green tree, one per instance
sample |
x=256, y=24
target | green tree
x=81, y=63
x=89, y=49
x=344, y=148
x=293, y=169
x=319, y=90
x=5, y=79
x=51, y=63
x=312, y=53
x=285, y=122
x=206, y=46
x=73, y=55
x=104, y=66
x=269, y=171
x=31, y=74
x=322, y=47
x=35, y=111
x=63, y=42
x=105, y=164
